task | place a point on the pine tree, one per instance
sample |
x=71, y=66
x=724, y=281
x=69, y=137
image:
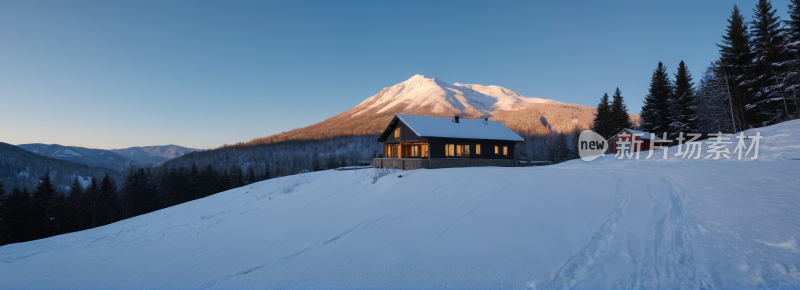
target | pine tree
x=17, y=211
x=619, y=114
x=735, y=58
x=559, y=149
x=224, y=181
x=574, y=151
x=316, y=164
x=237, y=176
x=61, y=221
x=655, y=112
x=43, y=201
x=682, y=114
x=266, y=171
x=74, y=203
x=251, y=175
x=208, y=181
x=92, y=196
x=602, y=120
x=331, y=161
x=787, y=72
x=793, y=24
x=5, y=216
x=193, y=183
x=763, y=98
x=107, y=210
x=712, y=104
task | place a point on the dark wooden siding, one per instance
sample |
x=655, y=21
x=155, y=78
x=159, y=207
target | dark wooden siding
x=437, y=150
x=406, y=134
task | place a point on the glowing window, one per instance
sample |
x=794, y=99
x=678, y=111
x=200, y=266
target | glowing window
x=466, y=150
x=505, y=150
x=496, y=149
x=478, y=149
x=397, y=132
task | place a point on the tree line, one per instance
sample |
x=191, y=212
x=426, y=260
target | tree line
x=753, y=83
x=48, y=210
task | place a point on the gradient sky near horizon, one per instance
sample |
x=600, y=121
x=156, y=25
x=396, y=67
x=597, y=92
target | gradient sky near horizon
x=115, y=74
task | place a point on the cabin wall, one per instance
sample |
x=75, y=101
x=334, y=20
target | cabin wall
x=406, y=134
x=410, y=164
x=436, y=147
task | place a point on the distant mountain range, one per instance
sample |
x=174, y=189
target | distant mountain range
x=91, y=157
x=23, y=168
x=153, y=154
x=432, y=97
x=117, y=159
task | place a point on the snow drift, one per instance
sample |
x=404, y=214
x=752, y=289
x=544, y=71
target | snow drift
x=606, y=224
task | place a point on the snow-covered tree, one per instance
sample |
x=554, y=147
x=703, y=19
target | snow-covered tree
x=619, y=114
x=712, y=104
x=682, y=115
x=655, y=112
x=763, y=97
x=603, y=119
x=735, y=58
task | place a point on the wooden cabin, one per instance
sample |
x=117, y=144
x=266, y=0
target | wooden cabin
x=631, y=136
x=446, y=142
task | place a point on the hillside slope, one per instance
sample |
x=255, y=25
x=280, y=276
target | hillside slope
x=432, y=97
x=88, y=156
x=605, y=224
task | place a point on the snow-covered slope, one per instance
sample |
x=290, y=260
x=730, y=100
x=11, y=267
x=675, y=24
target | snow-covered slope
x=607, y=224
x=507, y=100
x=420, y=92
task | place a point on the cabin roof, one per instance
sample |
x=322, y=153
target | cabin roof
x=447, y=128
x=644, y=135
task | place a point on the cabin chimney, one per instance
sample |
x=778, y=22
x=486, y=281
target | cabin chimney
x=456, y=119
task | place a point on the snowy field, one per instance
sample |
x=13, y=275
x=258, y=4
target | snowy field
x=605, y=224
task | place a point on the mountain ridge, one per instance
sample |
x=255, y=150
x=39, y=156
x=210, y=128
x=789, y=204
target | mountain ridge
x=432, y=97
x=116, y=159
x=153, y=154
x=20, y=167
x=92, y=157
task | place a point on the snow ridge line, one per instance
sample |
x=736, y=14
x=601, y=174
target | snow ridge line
x=581, y=261
x=473, y=209
x=680, y=259
x=361, y=225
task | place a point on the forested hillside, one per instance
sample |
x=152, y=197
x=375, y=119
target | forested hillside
x=153, y=154
x=88, y=156
x=285, y=158
x=21, y=168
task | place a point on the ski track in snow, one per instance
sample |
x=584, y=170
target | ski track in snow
x=609, y=224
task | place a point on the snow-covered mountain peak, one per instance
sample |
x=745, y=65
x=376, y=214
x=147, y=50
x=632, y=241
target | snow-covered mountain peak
x=419, y=93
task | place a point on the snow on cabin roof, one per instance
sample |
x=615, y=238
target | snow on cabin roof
x=465, y=128
x=644, y=135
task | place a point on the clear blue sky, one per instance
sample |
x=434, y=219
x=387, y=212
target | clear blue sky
x=113, y=74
